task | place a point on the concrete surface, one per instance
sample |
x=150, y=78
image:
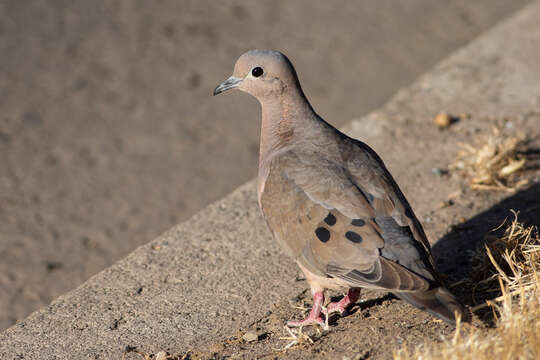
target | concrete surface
x=219, y=271
x=108, y=131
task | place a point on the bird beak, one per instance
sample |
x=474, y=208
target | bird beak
x=230, y=83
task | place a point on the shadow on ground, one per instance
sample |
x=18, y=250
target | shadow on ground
x=454, y=250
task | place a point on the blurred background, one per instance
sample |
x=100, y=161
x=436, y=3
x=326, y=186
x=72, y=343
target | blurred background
x=109, y=134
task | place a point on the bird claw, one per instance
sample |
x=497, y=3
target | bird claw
x=306, y=322
x=314, y=317
x=311, y=320
x=342, y=305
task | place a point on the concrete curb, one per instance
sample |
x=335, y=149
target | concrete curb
x=220, y=270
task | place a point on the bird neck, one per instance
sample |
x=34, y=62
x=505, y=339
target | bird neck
x=283, y=119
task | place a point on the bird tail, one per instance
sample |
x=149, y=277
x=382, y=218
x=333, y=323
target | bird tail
x=438, y=302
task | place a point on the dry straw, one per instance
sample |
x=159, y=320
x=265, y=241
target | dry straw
x=514, y=260
x=493, y=162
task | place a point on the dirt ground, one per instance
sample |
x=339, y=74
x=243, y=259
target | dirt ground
x=380, y=323
x=109, y=134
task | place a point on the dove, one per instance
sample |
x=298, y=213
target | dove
x=331, y=203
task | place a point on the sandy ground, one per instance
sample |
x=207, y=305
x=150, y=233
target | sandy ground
x=109, y=134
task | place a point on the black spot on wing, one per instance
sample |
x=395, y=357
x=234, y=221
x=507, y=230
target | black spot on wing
x=330, y=219
x=354, y=237
x=323, y=234
x=358, y=222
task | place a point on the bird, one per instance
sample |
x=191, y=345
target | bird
x=331, y=203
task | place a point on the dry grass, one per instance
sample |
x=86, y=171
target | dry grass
x=514, y=256
x=493, y=162
x=515, y=262
x=296, y=337
x=517, y=336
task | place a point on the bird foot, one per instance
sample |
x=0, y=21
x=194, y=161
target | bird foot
x=342, y=305
x=336, y=307
x=314, y=317
x=306, y=322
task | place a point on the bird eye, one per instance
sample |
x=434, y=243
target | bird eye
x=257, y=71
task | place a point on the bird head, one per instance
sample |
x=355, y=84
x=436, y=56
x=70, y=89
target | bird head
x=261, y=73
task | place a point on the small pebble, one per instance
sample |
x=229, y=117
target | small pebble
x=439, y=171
x=250, y=336
x=442, y=120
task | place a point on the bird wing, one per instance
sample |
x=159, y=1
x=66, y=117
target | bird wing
x=343, y=216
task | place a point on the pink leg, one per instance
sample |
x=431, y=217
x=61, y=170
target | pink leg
x=314, y=317
x=342, y=305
